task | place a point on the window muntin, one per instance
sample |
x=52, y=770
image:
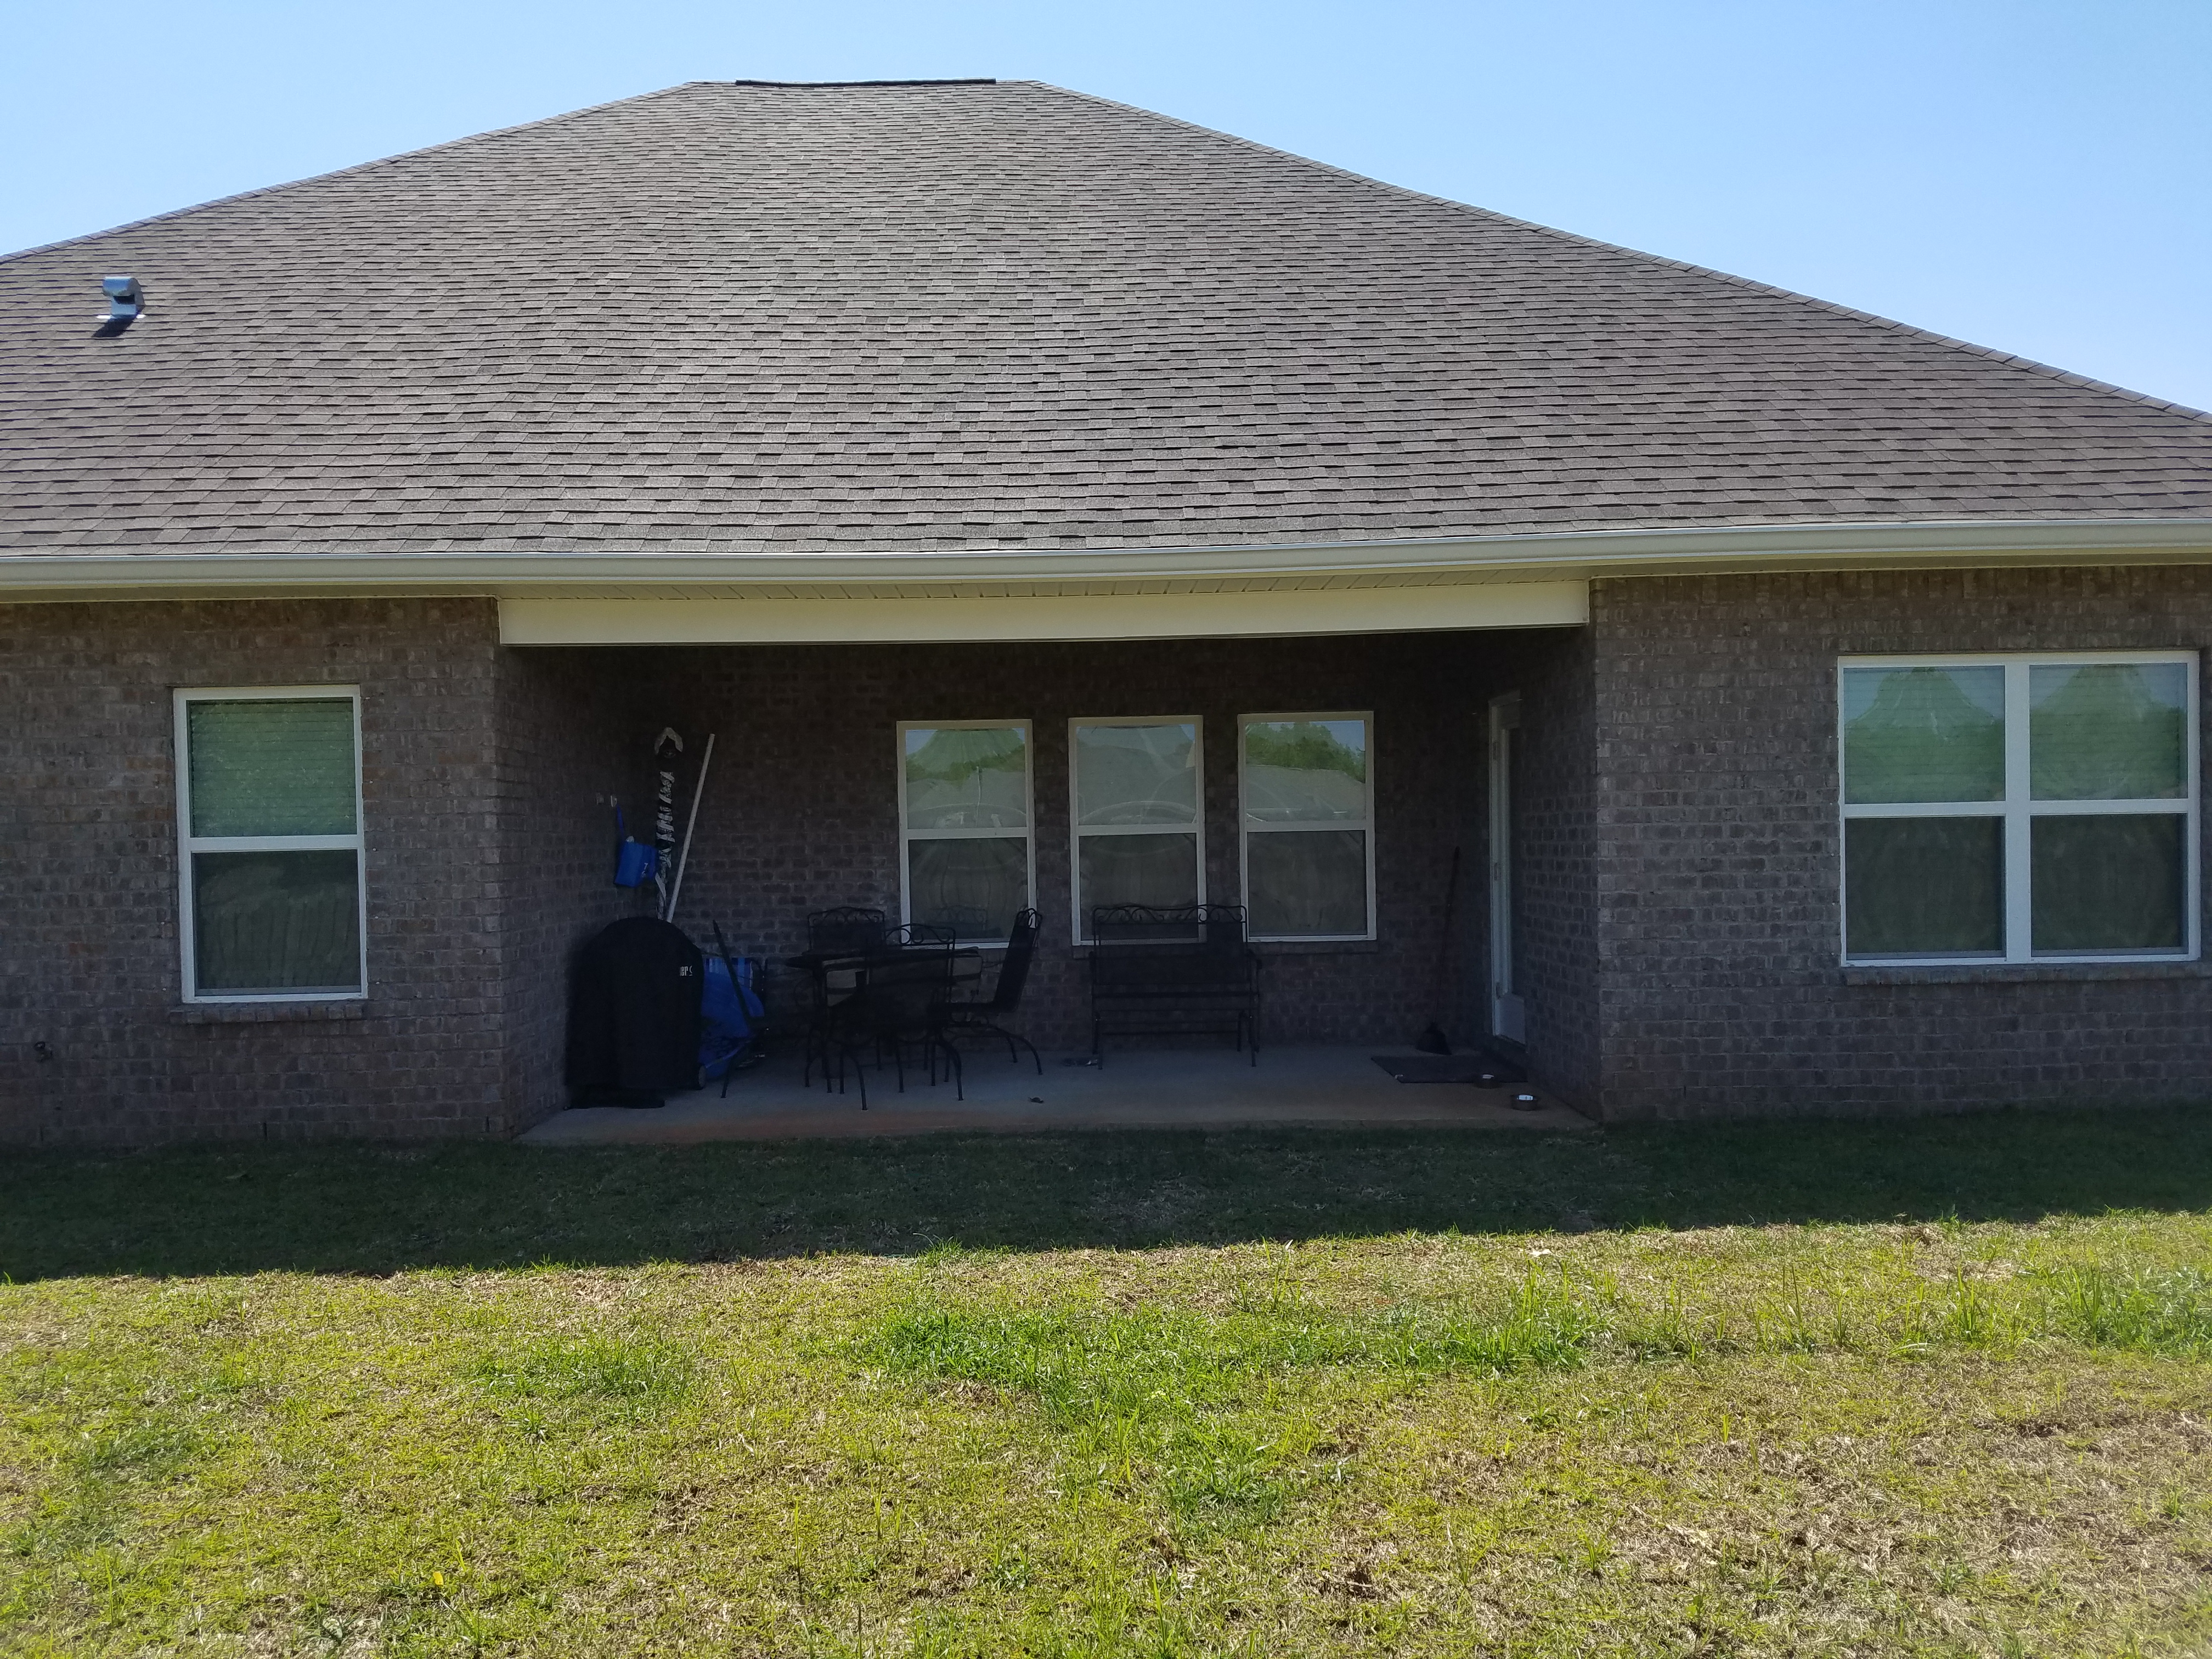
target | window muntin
x=1136, y=794
x=2020, y=808
x=270, y=844
x=967, y=857
x=1305, y=789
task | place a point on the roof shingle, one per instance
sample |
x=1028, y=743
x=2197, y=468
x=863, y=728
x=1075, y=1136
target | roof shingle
x=738, y=318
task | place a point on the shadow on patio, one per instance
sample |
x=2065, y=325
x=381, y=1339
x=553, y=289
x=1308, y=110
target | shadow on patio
x=371, y=1209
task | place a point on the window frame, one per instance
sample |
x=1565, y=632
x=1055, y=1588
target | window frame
x=908, y=834
x=1245, y=830
x=1080, y=932
x=2018, y=811
x=188, y=844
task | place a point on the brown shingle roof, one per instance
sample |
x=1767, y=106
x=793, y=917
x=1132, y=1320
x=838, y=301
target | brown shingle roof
x=746, y=317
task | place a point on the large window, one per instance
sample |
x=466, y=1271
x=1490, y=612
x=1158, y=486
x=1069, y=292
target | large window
x=269, y=818
x=1307, y=801
x=2020, y=809
x=964, y=826
x=1140, y=832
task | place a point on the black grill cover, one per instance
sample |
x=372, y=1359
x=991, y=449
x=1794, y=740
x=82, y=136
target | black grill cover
x=634, y=1014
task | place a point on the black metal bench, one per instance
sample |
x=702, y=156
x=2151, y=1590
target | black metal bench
x=1173, y=971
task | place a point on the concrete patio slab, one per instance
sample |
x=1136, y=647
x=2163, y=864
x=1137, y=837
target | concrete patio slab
x=1142, y=1088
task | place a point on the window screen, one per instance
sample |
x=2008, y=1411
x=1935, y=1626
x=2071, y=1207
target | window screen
x=1138, y=819
x=966, y=859
x=1308, y=834
x=269, y=808
x=2019, y=808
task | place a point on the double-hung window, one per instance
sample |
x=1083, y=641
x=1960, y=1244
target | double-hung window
x=1139, y=820
x=268, y=821
x=1306, y=791
x=965, y=821
x=2020, y=808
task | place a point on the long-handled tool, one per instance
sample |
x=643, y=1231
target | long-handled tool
x=1433, y=1041
x=689, y=825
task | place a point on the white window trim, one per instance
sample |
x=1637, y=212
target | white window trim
x=1077, y=830
x=188, y=843
x=2019, y=812
x=1029, y=809
x=1246, y=831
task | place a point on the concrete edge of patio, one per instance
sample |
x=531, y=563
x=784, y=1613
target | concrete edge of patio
x=1148, y=1089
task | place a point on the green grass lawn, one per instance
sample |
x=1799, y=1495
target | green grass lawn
x=1940, y=1387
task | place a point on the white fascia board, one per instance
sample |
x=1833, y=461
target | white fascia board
x=1206, y=615
x=1560, y=555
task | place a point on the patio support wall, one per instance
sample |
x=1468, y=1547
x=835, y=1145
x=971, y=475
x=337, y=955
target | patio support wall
x=1718, y=852
x=571, y=740
x=1555, y=812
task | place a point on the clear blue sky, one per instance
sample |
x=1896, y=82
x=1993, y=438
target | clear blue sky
x=2027, y=174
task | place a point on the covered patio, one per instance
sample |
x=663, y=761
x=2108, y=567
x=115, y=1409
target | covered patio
x=1340, y=786
x=1185, y=1087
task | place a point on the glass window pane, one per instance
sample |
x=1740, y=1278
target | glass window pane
x=1923, y=734
x=1313, y=882
x=280, y=766
x=2109, y=884
x=1305, y=772
x=2115, y=731
x=973, y=887
x=1136, y=775
x=1924, y=886
x=1137, y=870
x=275, y=921
x=967, y=778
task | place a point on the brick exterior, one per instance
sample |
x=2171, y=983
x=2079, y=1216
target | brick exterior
x=571, y=739
x=1717, y=855
x=1555, y=909
x=484, y=860
x=89, y=961
x=801, y=812
x=1676, y=843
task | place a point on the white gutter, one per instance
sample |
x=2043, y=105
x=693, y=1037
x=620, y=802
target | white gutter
x=1550, y=555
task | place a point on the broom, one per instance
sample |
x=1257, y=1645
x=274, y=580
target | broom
x=1433, y=1041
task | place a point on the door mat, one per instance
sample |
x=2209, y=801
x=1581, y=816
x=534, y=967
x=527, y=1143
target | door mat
x=1479, y=1070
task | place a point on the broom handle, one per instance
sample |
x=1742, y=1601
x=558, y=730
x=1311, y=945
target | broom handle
x=690, y=823
x=1444, y=944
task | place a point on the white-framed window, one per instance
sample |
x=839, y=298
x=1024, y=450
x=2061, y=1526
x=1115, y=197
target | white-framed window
x=1136, y=800
x=967, y=854
x=1305, y=787
x=273, y=908
x=2020, y=808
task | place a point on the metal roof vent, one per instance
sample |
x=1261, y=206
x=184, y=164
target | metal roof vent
x=125, y=300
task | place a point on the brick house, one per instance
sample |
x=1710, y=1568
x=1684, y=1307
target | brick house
x=1811, y=705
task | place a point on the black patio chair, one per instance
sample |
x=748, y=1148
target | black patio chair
x=983, y=1014
x=894, y=1007
x=845, y=928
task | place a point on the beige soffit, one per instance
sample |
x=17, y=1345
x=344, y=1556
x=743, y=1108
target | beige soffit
x=1218, y=612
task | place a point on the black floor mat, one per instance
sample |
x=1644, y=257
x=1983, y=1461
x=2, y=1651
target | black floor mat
x=1479, y=1070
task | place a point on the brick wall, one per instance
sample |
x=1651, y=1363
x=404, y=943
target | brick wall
x=801, y=812
x=570, y=741
x=486, y=773
x=1555, y=812
x=88, y=956
x=1678, y=846
x=1717, y=856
